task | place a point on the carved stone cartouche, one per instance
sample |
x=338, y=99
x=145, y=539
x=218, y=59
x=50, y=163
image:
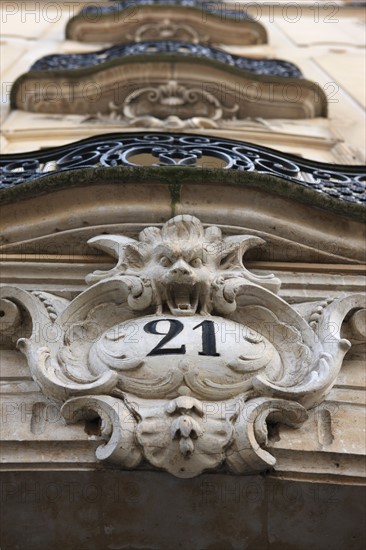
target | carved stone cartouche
x=182, y=352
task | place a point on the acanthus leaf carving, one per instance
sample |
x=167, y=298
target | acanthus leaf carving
x=183, y=353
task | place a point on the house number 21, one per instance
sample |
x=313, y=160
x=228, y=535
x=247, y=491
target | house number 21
x=175, y=328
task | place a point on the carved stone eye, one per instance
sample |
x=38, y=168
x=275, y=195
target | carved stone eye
x=165, y=262
x=196, y=262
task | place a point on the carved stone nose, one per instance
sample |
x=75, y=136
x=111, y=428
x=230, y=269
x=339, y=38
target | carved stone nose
x=180, y=271
x=181, y=268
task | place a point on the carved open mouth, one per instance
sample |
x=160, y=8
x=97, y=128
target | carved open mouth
x=182, y=299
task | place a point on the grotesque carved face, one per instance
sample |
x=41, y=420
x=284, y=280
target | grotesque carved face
x=183, y=262
x=178, y=263
x=181, y=276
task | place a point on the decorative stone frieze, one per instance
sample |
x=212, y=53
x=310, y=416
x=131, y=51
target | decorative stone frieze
x=183, y=354
x=190, y=20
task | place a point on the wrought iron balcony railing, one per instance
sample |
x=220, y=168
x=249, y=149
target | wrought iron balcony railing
x=268, y=67
x=345, y=183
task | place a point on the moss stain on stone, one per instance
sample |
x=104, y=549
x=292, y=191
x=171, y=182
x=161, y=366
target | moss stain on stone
x=174, y=189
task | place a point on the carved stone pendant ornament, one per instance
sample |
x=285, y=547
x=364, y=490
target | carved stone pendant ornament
x=182, y=352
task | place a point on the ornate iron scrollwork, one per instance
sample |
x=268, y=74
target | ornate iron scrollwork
x=175, y=150
x=267, y=67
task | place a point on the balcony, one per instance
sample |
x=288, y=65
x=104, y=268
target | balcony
x=191, y=20
x=147, y=84
x=175, y=157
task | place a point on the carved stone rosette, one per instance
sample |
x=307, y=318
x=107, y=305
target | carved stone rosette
x=183, y=354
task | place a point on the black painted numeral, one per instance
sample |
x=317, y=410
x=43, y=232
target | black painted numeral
x=208, y=339
x=176, y=328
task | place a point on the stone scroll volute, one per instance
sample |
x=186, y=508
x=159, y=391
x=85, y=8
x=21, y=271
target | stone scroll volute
x=183, y=353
